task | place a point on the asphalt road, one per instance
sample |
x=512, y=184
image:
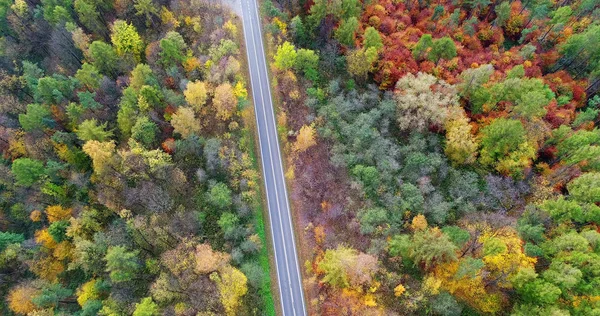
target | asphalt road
x=286, y=258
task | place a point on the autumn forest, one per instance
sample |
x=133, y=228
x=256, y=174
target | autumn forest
x=441, y=156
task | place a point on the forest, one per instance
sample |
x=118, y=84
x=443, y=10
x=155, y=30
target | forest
x=128, y=179
x=443, y=156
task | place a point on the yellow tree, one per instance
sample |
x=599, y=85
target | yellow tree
x=232, y=284
x=306, y=138
x=196, y=94
x=461, y=145
x=208, y=260
x=57, y=213
x=19, y=299
x=224, y=101
x=100, y=152
x=185, y=123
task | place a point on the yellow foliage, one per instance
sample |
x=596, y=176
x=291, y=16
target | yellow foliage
x=461, y=145
x=208, y=260
x=240, y=90
x=19, y=299
x=505, y=263
x=399, y=290
x=306, y=138
x=419, y=222
x=44, y=238
x=167, y=17
x=280, y=25
x=35, y=216
x=87, y=292
x=100, y=153
x=230, y=28
x=57, y=213
x=432, y=285
x=47, y=268
x=191, y=63
x=64, y=250
x=196, y=94
x=233, y=286
x=319, y=232
x=370, y=300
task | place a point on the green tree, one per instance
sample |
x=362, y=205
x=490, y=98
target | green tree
x=372, y=38
x=443, y=48
x=8, y=238
x=89, y=76
x=146, y=8
x=346, y=32
x=285, y=58
x=104, y=57
x=36, y=117
x=126, y=39
x=504, y=146
x=144, y=131
x=173, y=49
x=27, y=171
x=122, y=264
x=91, y=130
x=220, y=196
x=422, y=47
x=146, y=307
x=586, y=188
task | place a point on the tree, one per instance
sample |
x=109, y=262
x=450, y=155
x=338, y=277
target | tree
x=285, y=57
x=142, y=75
x=146, y=8
x=586, y=188
x=346, y=32
x=57, y=213
x=173, y=49
x=196, y=94
x=100, y=152
x=423, y=101
x=461, y=145
x=422, y=48
x=7, y=238
x=144, y=131
x=220, y=196
x=27, y=171
x=37, y=117
x=305, y=138
x=430, y=246
x=208, y=260
x=19, y=299
x=126, y=39
x=504, y=146
x=90, y=15
x=232, y=284
x=104, y=57
x=443, y=48
x=121, y=264
x=185, y=123
x=146, y=307
x=360, y=62
x=91, y=130
x=307, y=61
x=224, y=101
x=372, y=38
x=89, y=76
x=345, y=267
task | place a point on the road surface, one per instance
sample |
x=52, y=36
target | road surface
x=286, y=258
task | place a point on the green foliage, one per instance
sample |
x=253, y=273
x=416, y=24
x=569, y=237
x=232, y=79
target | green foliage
x=37, y=117
x=372, y=39
x=146, y=307
x=8, y=238
x=285, y=57
x=104, y=57
x=346, y=32
x=121, y=264
x=443, y=48
x=144, y=131
x=27, y=171
x=89, y=76
x=220, y=196
x=173, y=48
x=58, y=230
x=91, y=130
x=586, y=188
